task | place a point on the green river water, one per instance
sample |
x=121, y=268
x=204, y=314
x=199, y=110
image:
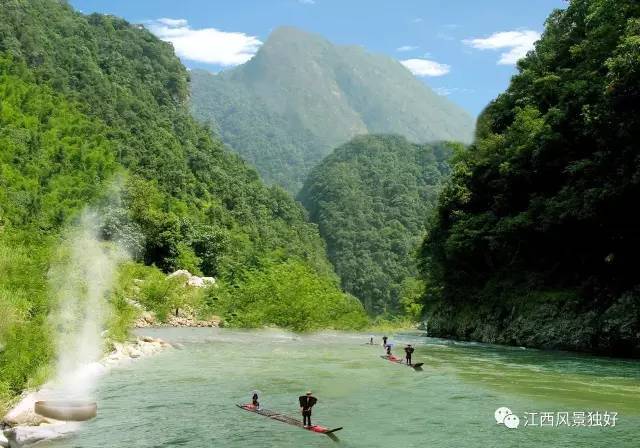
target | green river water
x=186, y=398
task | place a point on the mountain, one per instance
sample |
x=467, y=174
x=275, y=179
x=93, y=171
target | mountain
x=536, y=237
x=300, y=96
x=370, y=199
x=90, y=105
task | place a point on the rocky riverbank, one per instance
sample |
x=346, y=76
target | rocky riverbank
x=550, y=324
x=22, y=427
x=184, y=318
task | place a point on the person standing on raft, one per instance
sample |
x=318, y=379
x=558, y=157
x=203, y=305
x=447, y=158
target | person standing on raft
x=384, y=341
x=388, y=347
x=306, y=403
x=408, y=350
x=254, y=401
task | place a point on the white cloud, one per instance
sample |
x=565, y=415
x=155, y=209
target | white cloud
x=517, y=44
x=426, y=67
x=307, y=2
x=417, y=20
x=407, y=48
x=172, y=22
x=207, y=45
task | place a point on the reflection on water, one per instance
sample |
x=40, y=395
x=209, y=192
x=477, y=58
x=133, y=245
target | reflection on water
x=187, y=397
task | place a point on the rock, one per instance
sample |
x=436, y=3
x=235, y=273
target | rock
x=21, y=436
x=4, y=443
x=180, y=272
x=209, y=280
x=23, y=413
x=146, y=319
x=195, y=281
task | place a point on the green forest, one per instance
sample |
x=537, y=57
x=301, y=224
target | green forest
x=370, y=199
x=300, y=96
x=90, y=105
x=535, y=235
x=526, y=236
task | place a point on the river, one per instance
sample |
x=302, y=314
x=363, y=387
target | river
x=186, y=398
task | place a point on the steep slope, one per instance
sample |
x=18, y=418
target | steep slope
x=312, y=95
x=89, y=102
x=536, y=237
x=370, y=198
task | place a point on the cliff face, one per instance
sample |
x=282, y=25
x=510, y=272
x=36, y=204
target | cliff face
x=537, y=228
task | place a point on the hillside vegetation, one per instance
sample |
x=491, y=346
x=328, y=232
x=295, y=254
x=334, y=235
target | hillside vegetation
x=536, y=235
x=301, y=96
x=93, y=111
x=370, y=199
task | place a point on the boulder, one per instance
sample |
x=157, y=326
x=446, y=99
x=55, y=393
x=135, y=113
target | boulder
x=195, y=281
x=21, y=436
x=23, y=413
x=180, y=272
x=4, y=443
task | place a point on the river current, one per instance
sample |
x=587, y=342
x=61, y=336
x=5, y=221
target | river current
x=186, y=398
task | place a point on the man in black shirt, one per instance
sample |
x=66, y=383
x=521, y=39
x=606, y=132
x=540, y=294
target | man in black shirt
x=306, y=403
x=408, y=351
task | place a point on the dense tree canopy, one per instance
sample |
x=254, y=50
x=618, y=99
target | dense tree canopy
x=89, y=106
x=132, y=82
x=544, y=199
x=370, y=199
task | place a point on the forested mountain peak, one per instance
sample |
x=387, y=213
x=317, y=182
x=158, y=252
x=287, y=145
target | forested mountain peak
x=370, y=199
x=301, y=95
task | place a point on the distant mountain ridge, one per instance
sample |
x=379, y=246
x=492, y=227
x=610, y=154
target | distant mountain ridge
x=300, y=96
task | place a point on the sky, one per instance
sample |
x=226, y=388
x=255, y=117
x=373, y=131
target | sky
x=463, y=49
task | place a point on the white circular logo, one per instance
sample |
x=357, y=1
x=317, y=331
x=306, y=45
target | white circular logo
x=511, y=421
x=501, y=413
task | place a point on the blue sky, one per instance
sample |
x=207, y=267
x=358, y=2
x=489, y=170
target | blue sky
x=464, y=49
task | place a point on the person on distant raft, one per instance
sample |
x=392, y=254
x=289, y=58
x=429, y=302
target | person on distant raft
x=254, y=401
x=408, y=350
x=388, y=347
x=306, y=403
x=371, y=340
x=384, y=341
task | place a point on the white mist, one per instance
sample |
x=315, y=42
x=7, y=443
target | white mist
x=81, y=280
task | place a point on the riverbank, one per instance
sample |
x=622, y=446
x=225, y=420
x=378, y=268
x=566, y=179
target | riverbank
x=21, y=426
x=551, y=323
